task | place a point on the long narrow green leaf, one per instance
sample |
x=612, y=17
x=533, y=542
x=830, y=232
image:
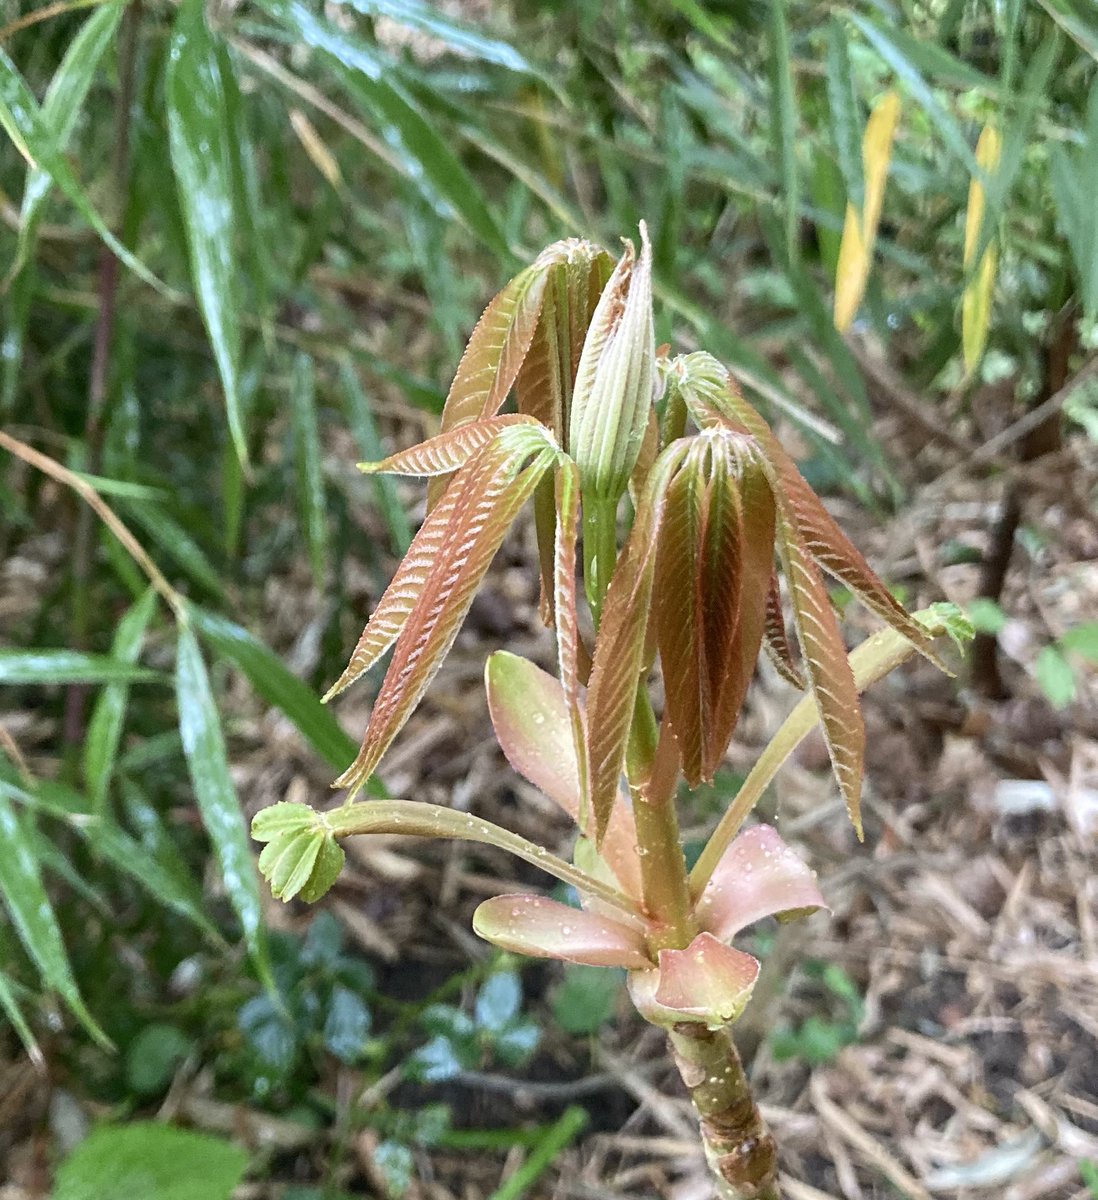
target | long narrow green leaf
x=886, y=46
x=105, y=726
x=9, y=1005
x=277, y=685
x=847, y=125
x=60, y=110
x=67, y=666
x=783, y=121
x=360, y=417
x=434, y=167
x=201, y=159
x=33, y=916
x=204, y=746
x=310, y=471
x=23, y=120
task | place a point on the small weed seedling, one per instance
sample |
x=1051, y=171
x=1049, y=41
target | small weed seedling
x=604, y=423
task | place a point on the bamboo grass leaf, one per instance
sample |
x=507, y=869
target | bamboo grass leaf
x=860, y=228
x=67, y=666
x=310, y=468
x=21, y=117
x=60, y=111
x=783, y=123
x=9, y=1006
x=207, y=761
x=105, y=726
x=488, y=496
x=202, y=162
x=33, y=917
x=979, y=271
x=845, y=112
x=276, y=684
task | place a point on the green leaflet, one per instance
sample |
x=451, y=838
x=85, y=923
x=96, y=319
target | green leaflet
x=33, y=917
x=105, y=726
x=27, y=128
x=201, y=159
x=204, y=747
x=847, y=124
x=67, y=666
x=60, y=109
x=310, y=471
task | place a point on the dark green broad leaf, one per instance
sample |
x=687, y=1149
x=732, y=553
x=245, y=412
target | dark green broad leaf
x=347, y=1024
x=60, y=109
x=67, y=666
x=151, y=1161
x=204, y=747
x=21, y=117
x=198, y=123
x=369, y=77
x=32, y=914
x=105, y=726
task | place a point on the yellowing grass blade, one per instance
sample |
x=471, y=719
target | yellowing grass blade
x=979, y=276
x=860, y=229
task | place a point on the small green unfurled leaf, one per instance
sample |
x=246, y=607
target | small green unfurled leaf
x=615, y=379
x=979, y=275
x=202, y=161
x=207, y=761
x=488, y=493
x=1056, y=677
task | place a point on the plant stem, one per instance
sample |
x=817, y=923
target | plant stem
x=739, y=1148
x=653, y=768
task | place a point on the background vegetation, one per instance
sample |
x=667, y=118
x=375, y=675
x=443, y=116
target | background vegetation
x=242, y=244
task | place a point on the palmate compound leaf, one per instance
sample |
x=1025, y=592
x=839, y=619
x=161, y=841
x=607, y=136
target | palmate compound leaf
x=487, y=494
x=713, y=397
x=716, y=543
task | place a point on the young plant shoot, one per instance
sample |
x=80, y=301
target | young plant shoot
x=605, y=425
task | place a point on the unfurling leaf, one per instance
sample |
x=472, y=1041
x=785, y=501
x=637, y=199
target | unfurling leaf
x=447, y=452
x=487, y=495
x=615, y=379
x=776, y=639
x=860, y=228
x=619, y=647
x=979, y=272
